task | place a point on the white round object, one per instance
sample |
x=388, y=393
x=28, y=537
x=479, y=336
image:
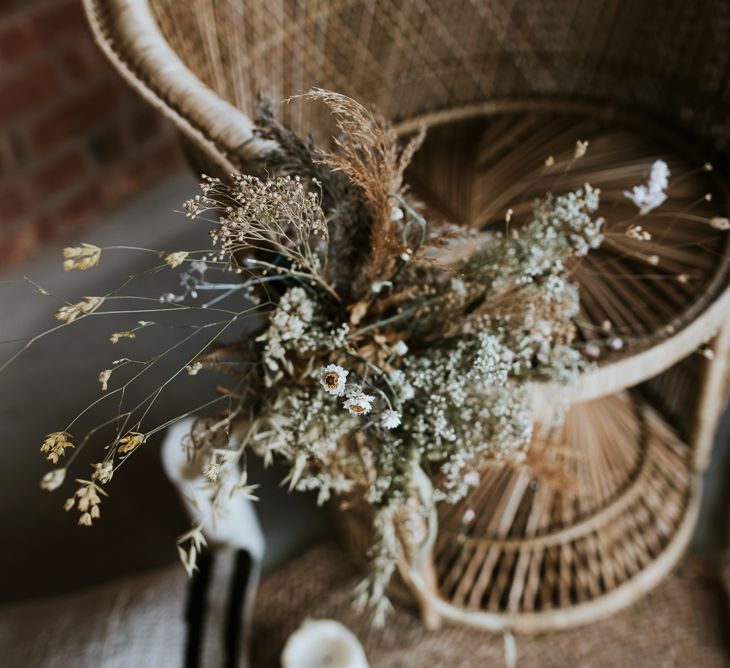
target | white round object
x=323, y=643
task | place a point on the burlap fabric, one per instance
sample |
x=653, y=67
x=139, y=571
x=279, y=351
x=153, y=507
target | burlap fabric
x=684, y=622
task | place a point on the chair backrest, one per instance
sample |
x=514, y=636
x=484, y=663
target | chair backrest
x=412, y=57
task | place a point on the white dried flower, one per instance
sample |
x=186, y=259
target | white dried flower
x=580, y=149
x=193, y=368
x=400, y=348
x=176, y=259
x=592, y=351
x=653, y=194
x=458, y=286
x=469, y=516
x=333, y=379
x=615, y=343
x=104, y=377
x=472, y=478
x=53, y=479
x=359, y=404
x=638, y=233
x=391, y=419
x=396, y=214
x=378, y=286
x=720, y=223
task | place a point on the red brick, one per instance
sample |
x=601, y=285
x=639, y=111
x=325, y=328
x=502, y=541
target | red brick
x=28, y=89
x=166, y=157
x=17, y=245
x=79, y=209
x=146, y=124
x=83, y=60
x=76, y=117
x=12, y=152
x=62, y=20
x=73, y=213
x=14, y=204
x=18, y=41
x=110, y=146
x=62, y=173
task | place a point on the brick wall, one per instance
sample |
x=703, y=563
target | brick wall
x=74, y=139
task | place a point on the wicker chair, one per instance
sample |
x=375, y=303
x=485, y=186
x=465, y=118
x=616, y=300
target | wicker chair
x=501, y=86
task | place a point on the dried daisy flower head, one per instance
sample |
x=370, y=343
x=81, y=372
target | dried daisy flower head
x=334, y=378
x=359, y=403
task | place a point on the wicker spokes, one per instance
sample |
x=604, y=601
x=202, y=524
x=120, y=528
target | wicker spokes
x=538, y=544
x=639, y=291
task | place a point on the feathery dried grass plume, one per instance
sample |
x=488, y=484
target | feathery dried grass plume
x=369, y=154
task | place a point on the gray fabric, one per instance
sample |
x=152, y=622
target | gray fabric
x=134, y=622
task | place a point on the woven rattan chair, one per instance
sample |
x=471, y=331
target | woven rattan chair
x=502, y=86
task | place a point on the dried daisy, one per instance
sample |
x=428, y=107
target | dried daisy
x=53, y=479
x=333, y=379
x=81, y=257
x=56, y=444
x=130, y=442
x=70, y=312
x=390, y=419
x=359, y=404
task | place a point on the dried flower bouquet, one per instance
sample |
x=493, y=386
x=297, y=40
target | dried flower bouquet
x=388, y=346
